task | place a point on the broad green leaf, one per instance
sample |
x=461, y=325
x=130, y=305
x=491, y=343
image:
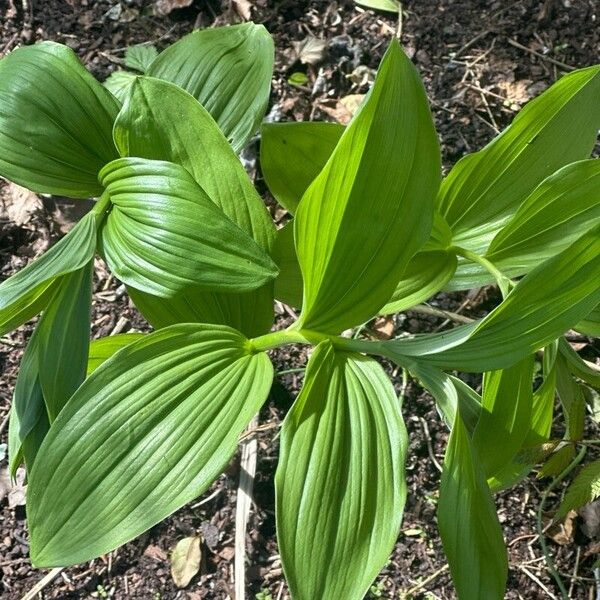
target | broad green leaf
x=485, y=189
x=164, y=234
x=572, y=399
x=542, y=410
x=27, y=292
x=55, y=122
x=28, y=411
x=63, y=335
x=102, y=349
x=387, y=5
x=558, y=462
x=506, y=405
x=228, y=70
x=583, y=369
x=371, y=207
x=552, y=217
x=468, y=524
x=288, y=285
x=149, y=127
x=340, y=487
x=425, y=275
x=140, y=57
x=293, y=154
x=584, y=489
x=147, y=432
x=544, y=304
x=119, y=83
x=591, y=324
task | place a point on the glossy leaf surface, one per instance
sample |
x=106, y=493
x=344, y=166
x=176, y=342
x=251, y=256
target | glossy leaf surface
x=27, y=292
x=340, y=484
x=102, y=349
x=371, y=207
x=147, y=432
x=293, y=154
x=55, y=122
x=468, y=524
x=228, y=70
x=164, y=233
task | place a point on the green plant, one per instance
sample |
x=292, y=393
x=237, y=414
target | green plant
x=375, y=230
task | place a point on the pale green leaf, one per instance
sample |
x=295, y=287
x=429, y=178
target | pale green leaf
x=55, y=122
x=228, y=70
x=119, y=83
x=572, y=399
x=506, y=405
x=591, y=324
x=27, y=292
x=163, y=233
x=140, y=57
x=371, y=207
x=146, y=433
x=293, y=154
x=102, y=349
x=340, y=486
x=386, y=5
x=581, y=368
x=468, y=523
x=288, y=285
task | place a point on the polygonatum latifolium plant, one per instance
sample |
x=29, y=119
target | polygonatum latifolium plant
x=375, y=229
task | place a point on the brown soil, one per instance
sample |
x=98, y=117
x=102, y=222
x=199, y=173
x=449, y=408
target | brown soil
x=480, y=61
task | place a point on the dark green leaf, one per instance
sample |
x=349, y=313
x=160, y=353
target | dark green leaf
x=468, y=524
x=288, y=285
x=147, y=432
x=140, y=57
x=228, y=70
x=161, y=219
x=572, y=399
x=506, y=402
x=584, y=489
x=371, y=207
x=26, y=293
x=293, y=154
x=583, y=369
x=340, y=483
x=55, y=122
x=63, y=335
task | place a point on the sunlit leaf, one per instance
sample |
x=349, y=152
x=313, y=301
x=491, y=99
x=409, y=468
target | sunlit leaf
x=140, y=57
x=102, y=349
x=147, y=432
x=340, y=484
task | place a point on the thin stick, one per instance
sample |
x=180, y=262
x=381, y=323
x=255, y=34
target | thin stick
x=42, y=583
x=242, y=509
x=549, y=59
x=438, y=312
x=423, y=583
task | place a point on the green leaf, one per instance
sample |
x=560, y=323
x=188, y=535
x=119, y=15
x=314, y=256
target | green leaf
x=506, y=402
x=228, y=70
x=371, y=207
x=572, y=399
x=102, y=349
x=340, y=486
x=119, y=83
x=55, y=122
x=63, y=335
x=149, y=127
x=288, y=285
x=293, y=154
x=546, y=303
x=485, y=189
x=146, y=433
x=140, y=57
x=591, y=324
x=553, y=216
x=468, y=524
x=27, y=292
x=425, y=275
x=558, y=462
x=583, y=369
x=387, y=5
x=584, y=489
x=160, y=218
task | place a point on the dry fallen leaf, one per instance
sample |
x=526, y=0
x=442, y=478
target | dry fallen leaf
x=21, y=204
x=164, y=7
x=243, y=8
x=15, y=490
x=562, y=533
x=384, y=327
x=310, y=50
x=155, y=553
x=343, y=110
x=185, y=561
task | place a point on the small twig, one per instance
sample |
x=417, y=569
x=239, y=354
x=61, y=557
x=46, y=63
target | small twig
x=471, y=42
x=399, y=28
x=242, y=508
x=42, y=583
x=434, y=460
x=438, y=312
x=549, y=59
x=536, y=579
x=413, y=590
x=575, y=569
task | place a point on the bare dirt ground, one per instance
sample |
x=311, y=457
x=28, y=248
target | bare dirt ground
x=480, y=62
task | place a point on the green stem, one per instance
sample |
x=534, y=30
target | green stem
x=504, y=283
x=101, y=207
x=539, y=522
